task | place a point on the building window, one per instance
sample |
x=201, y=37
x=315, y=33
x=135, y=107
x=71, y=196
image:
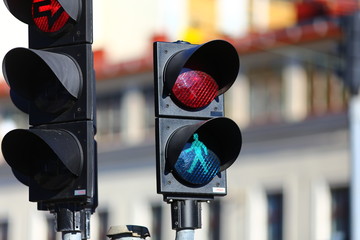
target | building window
x=4, y=230
x=149, y=110
x=132, y=116
x=108, y=117
x=103, y=224
x=156, y=231
x=266, y=100
x=127, y=116
x=326, y=93
x=274, y=216
x=215, y=220
x=340, y=214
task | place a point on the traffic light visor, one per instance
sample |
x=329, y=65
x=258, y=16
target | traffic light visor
x=53, y=158
x=52, y=81
x=197, y=153
x=197, y=75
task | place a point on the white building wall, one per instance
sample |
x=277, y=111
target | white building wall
x=233, y=17
x=297, y=173
x=320, y=210
x=20, y=213
x=260, y=14
x=295, y=91
x=13, y=33
x=303, y=174
x=175, y=18
x=133, y=108
x=237, y=105
x=126, y=28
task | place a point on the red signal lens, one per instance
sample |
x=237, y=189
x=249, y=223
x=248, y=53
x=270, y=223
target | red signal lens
x=195, y=89
x=49, y=16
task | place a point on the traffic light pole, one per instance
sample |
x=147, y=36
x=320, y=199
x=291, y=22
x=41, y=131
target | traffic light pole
x=354, y=118
x=72, y=221
x=186, y=217
x=185, y=234
x=352, y=80
x=71, y=236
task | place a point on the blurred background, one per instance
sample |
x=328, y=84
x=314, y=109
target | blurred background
x=291, y=180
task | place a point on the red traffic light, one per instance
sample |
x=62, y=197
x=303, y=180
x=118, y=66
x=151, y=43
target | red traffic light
x=197, y=75
x=195, y=89
x=190, y=79
x=50, y=16
x=54, y=23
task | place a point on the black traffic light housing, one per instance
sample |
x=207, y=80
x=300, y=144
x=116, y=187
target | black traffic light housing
x=54, y=82
x=61, y=89
x=209, y=57
x=220, y=134
x=54, y=161
x=195, y=143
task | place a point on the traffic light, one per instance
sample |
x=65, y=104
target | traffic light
x=195, y=143
x=54, y=82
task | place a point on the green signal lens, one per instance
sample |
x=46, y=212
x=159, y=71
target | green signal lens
x=197, y=164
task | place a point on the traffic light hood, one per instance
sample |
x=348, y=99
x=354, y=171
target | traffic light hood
x=52, y=80
x=31, y=152
x=221, y=135
x=217, y=58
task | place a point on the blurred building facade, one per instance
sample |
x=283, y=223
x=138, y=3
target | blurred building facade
x=291, y=180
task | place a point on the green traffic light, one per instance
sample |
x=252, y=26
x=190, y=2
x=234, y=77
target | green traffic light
x=197, y=164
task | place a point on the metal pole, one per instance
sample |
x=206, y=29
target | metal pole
x=185, y=234
x=186, y=217
x=352, y=79
x=71, y=235
x=354, y=118
x=73, y=222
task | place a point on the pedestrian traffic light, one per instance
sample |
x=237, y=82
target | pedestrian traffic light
x=54, y=82
x=195, y=143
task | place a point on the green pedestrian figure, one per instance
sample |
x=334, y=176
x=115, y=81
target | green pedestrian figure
x=197, y=147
